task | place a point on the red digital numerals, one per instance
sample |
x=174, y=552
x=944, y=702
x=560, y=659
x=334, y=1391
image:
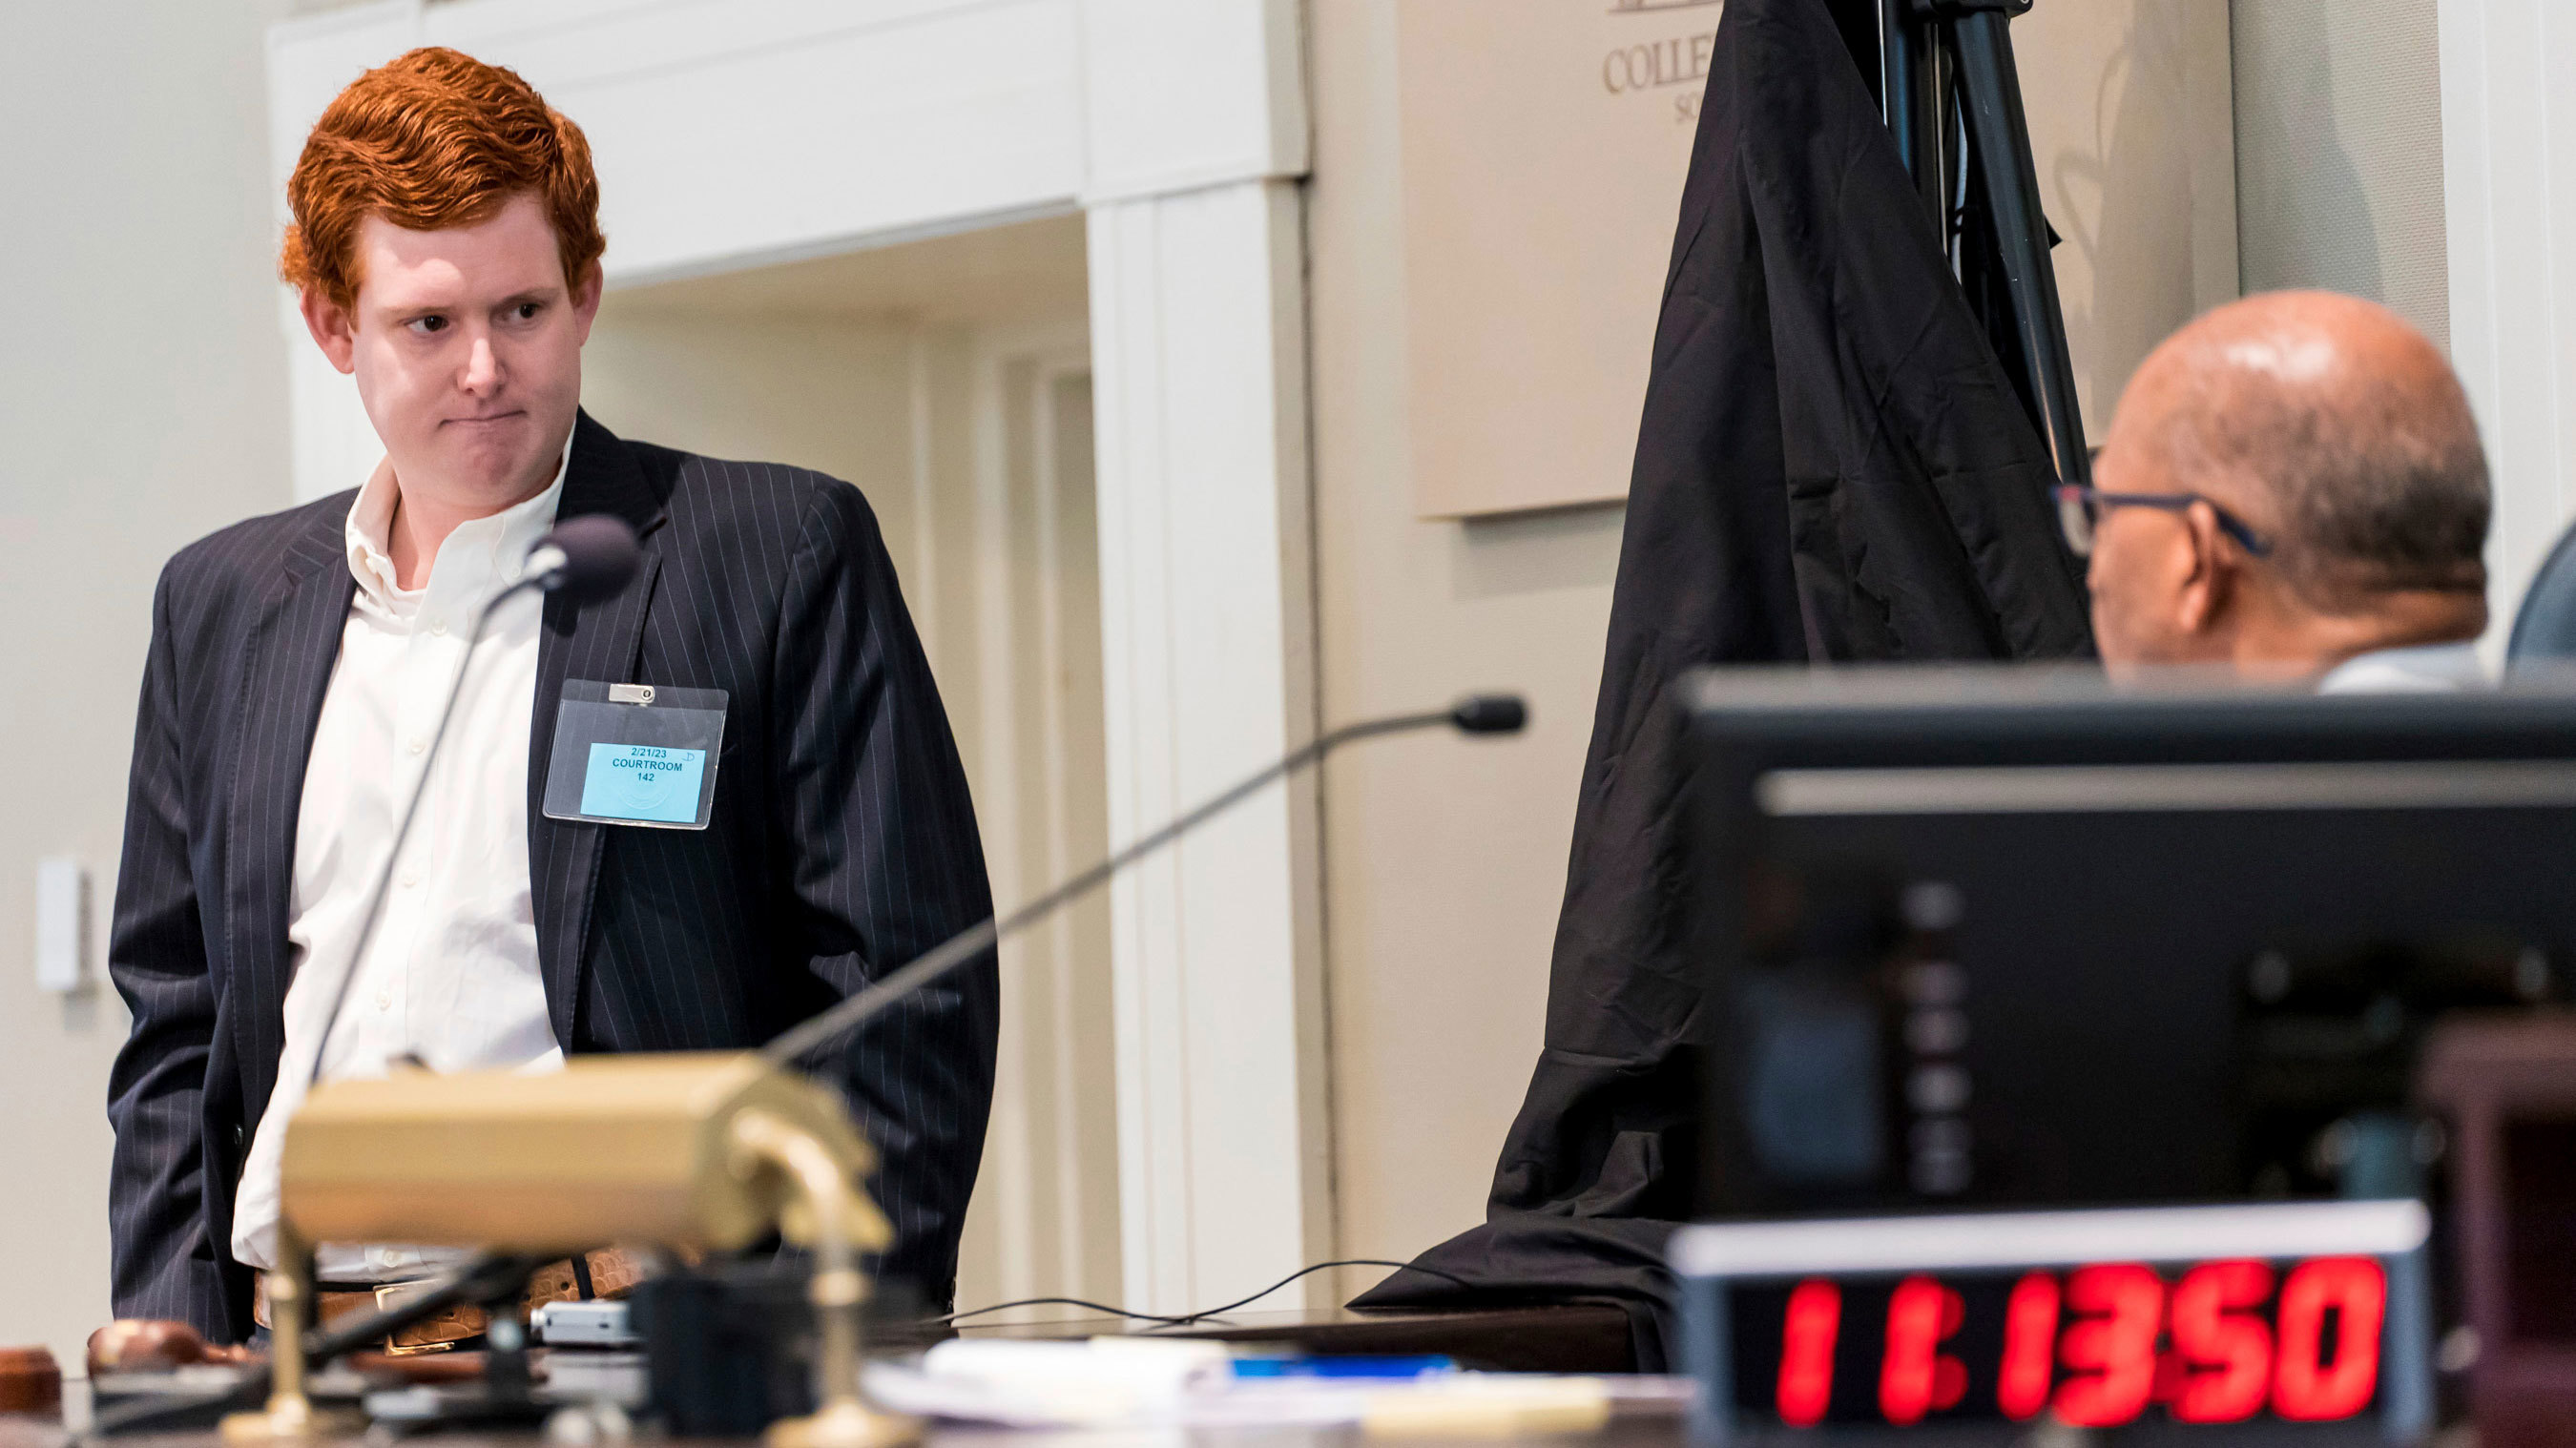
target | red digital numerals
x=2029, y=1365
x=2222, y=1340
x=2305, y=1386
x=1915, y=1377
x=1807, y=1353
x=2205, y=1347
x=2224, y=1360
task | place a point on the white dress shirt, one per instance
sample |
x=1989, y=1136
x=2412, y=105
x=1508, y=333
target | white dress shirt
x=451, y=974
x=2423, y=669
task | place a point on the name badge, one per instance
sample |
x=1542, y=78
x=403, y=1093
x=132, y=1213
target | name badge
x=635, y=754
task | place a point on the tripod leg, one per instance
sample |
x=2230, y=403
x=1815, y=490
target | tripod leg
x=1910, y=70
x=2000, y=135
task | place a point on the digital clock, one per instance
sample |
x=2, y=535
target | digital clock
x=2277, y=1313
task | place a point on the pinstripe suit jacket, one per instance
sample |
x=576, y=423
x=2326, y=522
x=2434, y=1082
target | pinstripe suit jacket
x=842, y=844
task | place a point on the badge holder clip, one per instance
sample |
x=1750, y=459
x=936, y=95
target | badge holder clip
x=635, y=754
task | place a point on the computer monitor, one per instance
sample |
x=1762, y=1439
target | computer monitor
x=2008, y=939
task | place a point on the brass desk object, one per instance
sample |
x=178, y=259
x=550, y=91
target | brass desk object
x=704, y=1152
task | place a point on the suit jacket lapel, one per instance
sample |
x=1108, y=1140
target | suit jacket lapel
x=287, y=667
x=598, y=643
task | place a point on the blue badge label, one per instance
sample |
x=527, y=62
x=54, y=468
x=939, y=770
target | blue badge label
x=643, y=782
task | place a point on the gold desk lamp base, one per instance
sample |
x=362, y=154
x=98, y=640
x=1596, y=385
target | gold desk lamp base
x=290, y=1416
x=844, y=1425
x=697, y=1151
x=299, y=1422
x=828, y=1212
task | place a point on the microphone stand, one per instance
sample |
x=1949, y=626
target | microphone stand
x=291, y=1299
x=542, y=573
x=837, y=1289
x=1481, y=714
x=583, y=558
x=1951, y=94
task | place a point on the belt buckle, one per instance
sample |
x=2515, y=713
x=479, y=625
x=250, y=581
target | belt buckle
x=391, y=1295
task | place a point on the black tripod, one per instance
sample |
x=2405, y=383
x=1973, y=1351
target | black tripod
x=1944, y=75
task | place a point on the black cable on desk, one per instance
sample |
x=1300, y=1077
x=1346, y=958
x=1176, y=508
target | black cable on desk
x=1198, y=1317
x=489, y=1276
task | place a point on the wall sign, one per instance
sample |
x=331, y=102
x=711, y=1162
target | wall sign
x=1544, y=147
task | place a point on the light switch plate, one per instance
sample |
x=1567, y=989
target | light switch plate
x=62, y=925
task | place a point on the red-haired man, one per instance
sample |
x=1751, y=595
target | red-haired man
x=446, y=244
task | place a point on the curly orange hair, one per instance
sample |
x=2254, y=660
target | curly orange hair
x=431, y=140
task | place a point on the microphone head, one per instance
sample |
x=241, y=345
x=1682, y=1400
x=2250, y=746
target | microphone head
x=585, y=559
x=1489, y=714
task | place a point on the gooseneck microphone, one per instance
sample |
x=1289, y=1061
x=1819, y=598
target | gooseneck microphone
x=583, y=560
x=1475, y=714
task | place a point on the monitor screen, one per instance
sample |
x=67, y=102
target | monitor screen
x=1983, y=940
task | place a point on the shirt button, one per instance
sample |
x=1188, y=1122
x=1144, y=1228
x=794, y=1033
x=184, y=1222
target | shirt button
x=384, y=1000
x=420, y=746
x=411, y=881
x=438, y=625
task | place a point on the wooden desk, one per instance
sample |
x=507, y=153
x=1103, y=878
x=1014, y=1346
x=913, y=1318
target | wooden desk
x=1662, y=1430
x=1580, y=1338
x=1657, y=1426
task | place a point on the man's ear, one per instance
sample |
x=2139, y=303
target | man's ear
x=334, y=330
x=585, y=300
x=2206, y=571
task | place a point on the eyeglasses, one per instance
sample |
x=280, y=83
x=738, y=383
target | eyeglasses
x=2080, y=509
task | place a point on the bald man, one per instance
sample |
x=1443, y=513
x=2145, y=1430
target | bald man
x=2293, y=488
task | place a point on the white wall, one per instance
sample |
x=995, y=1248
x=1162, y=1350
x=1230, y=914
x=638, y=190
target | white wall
x=2509, y=189
x=142, y=404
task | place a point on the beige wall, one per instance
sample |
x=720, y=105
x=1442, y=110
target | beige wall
x=2130, y=105
x=828, y=394
x=2339, y=152
x=948, y=379
x=142, y=403
x=1445, y=860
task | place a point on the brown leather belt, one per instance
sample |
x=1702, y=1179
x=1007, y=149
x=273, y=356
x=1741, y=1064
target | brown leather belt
x=612, y=1272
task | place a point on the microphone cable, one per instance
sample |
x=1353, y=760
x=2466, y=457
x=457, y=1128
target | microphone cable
x=1194, y=1318
x=491, y=1272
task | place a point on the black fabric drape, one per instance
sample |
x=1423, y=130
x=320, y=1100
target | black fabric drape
x=1832, y=466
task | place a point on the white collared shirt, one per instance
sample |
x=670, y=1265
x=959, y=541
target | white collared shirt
x=451, y=974
x=2421, y=669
